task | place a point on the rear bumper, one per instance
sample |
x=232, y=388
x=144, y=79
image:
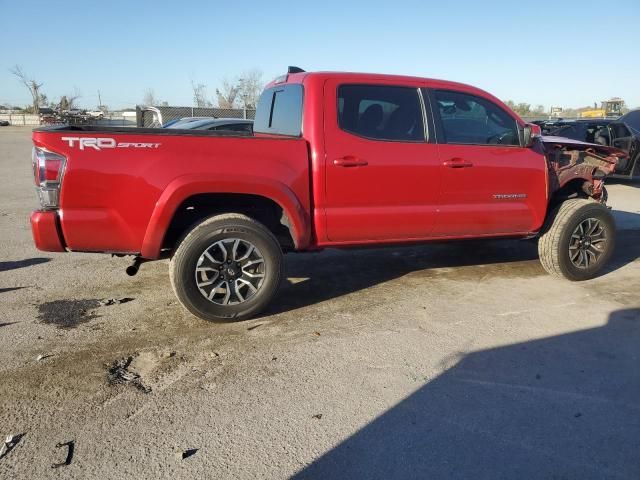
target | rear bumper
x=45, y=227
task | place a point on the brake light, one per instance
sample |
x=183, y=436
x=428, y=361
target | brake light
x=48, y=169
x=536, y=131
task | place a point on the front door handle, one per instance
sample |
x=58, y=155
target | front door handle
x=350, y=161
x=457, y=162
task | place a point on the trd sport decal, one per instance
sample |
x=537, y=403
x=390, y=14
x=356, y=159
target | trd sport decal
x=100, y=143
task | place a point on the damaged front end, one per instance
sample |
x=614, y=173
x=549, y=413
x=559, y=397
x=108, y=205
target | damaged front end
x=576, y=166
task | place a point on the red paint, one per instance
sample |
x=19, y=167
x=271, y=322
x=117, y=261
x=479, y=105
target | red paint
x=335, y=188
x=46, y=236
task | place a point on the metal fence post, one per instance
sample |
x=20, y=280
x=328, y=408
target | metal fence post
x=24, y=119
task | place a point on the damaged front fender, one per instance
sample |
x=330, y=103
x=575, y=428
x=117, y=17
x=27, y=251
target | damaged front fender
x=583, y=165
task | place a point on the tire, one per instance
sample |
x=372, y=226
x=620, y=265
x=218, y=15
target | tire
x=560, y=251
x=195, y=268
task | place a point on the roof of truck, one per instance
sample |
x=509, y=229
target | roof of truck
x=361, y=77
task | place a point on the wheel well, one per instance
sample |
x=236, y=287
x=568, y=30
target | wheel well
x=572, y=189
x=198, y=207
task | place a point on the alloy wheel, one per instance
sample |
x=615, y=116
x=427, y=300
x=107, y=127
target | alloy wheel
x=588, y=242
x=230, y=271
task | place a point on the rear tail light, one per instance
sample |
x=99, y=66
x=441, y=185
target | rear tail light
x=536, y=131
x=48, y=168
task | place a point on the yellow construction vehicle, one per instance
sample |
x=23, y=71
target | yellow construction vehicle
x=608, y=108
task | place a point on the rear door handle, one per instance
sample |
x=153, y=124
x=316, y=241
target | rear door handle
x=457, y=162
x=350, y=161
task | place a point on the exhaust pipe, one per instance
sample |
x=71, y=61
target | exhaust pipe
x=135, y=266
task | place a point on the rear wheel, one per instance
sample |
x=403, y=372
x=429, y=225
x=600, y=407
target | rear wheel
x=577, y=240
x=227, y=268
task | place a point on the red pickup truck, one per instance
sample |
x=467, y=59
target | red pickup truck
x=335, y=160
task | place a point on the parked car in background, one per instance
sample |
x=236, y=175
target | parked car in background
x=622, y=133
x=219, y=124
x=4, y=123
x=585, y=130
x=184, y=120
x=99, y=114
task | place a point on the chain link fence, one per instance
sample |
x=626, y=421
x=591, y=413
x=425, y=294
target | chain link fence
x=138, y=118
x=145, y=118
x=20, y=119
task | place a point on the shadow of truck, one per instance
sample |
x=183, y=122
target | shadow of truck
x=563, y=407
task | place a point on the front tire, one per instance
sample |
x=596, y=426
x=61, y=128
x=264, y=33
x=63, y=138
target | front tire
x=578, y=239
x=227, y=268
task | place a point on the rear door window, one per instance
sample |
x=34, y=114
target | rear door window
x=279, y=111
x=381, y=112
x=471, y=120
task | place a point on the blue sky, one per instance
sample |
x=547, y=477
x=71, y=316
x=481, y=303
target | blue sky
x=568, y=53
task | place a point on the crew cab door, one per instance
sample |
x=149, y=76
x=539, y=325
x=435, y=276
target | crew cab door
x=490, y=184
x=623, y=138
x=382, y=174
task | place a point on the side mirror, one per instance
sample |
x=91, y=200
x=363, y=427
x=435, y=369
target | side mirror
x=529, y=132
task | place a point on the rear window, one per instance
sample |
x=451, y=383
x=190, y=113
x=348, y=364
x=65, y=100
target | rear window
x=381, y=112
x=280, y=111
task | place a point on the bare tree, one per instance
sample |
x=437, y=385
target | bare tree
x=32, y=86
x=43, y=100
x=64, y=103
x=227, y=94
x=200, y=95
x=149, y=97
x=250, y=86
x=71, y=99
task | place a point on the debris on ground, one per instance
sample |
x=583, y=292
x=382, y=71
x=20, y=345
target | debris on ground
x=189, y=452
x=317, y=416
x=120, y=373
x=43, y=356
x=9, y=443
x=107, y=302
x=255, y=326
x=70, y=448
x=316, y=334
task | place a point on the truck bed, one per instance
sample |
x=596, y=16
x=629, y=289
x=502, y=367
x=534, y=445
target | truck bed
x=140, y=130
x=122, y=185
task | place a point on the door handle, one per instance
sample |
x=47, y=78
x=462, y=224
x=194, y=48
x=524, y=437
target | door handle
x=457, y=162
x=350, y=161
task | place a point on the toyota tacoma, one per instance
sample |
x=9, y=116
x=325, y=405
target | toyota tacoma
x=335, y=160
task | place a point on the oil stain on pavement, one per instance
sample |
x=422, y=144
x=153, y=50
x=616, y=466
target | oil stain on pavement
x=67, y=314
